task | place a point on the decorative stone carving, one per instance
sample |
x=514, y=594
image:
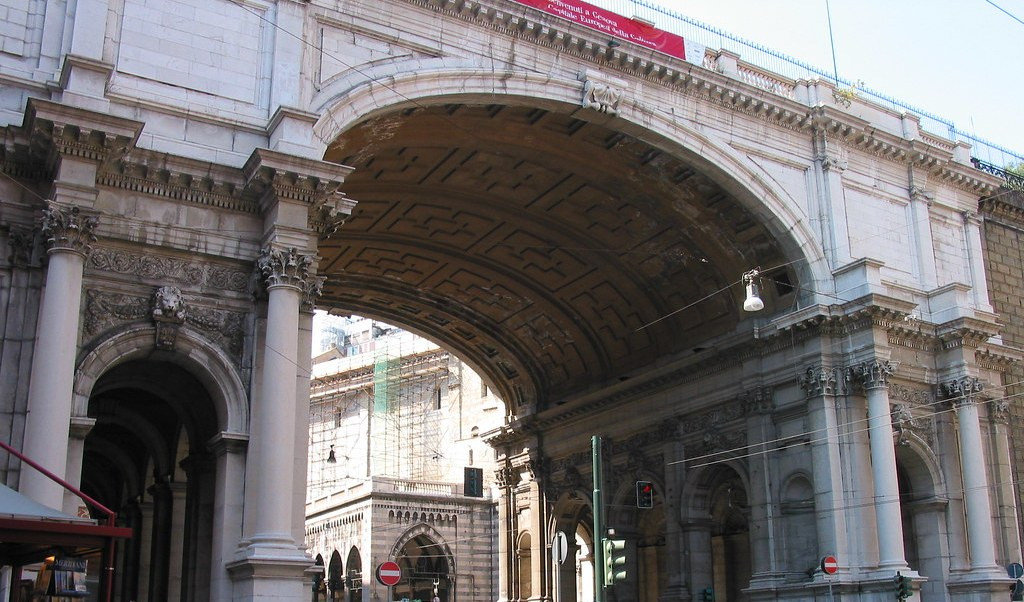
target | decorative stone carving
x=280, y=267
x=1000, y=411
x=961, y=391
x=902, y=422
x=68, y=229
x=156, y=267
x=24, y=245
x=169, y=313
x=602, y=93
x=169, y=305
x=105, y=309
x=818, y=380
x=757, y=401
x=871, y=374
x=506, y=477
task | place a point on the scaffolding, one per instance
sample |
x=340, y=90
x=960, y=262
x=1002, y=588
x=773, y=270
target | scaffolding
x=379, y=403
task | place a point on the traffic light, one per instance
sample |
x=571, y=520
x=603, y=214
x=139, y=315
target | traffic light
x=644, y=494
x=614, y=560
x=903, y=585
x=707, y=595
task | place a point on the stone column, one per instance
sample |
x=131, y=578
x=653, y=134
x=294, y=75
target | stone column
x=69, y=235
x=178, y=539
x=962, y=392
x=820, y=385
x=871, y=376
x=272, y=439
x=302, y=387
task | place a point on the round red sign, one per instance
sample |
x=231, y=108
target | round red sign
x=829, y=564
x=389, y=573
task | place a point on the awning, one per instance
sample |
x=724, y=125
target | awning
x=30, y=531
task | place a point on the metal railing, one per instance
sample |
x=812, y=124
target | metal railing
x=789, y=67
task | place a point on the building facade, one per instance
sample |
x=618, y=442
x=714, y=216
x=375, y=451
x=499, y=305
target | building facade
x=398, y=471
x=577, y=217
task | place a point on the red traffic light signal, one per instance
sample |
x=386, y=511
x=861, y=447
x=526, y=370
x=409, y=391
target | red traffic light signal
x=644, y=494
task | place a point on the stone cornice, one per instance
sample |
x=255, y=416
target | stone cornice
x=56, y=128
x=751, y=90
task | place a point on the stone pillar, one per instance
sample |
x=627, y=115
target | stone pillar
x=506, y=479
x=820, y=385
x=302, y=387
x=228, y=450
x=921, y=223
x=871, y=376
x=976, y=261
x=1002, y=472
x=178, y=539
x=145, y=549
x=832, y=223
x=962, y=392
x=762, y=501
x=69, y=235
x=539, y=555
x=675, y=479
x=272, y=440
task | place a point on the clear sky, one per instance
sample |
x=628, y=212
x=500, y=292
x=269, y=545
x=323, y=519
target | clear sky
x=962, y=60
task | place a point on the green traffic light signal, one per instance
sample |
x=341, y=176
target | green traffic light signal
x=614, y=560
x=707, y=595
x=903, y=587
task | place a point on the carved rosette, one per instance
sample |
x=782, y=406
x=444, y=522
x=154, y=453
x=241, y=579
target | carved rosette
x=961, y=391
x=819, y=380
x=66, y=229
x=871, y=374
x=280, y=267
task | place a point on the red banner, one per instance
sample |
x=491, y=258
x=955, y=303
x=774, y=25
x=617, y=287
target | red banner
x=612, y=24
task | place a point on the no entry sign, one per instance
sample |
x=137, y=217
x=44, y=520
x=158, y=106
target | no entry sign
x=829, y=565
x=389, y=573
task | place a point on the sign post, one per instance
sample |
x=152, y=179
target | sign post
x=389, y=574
x=829, y=566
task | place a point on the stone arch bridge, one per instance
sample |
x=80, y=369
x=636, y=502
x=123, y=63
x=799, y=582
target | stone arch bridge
x=571, y=213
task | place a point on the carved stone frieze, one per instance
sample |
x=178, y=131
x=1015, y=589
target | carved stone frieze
x=716, y=440
x=157, y=267
x=909, y=396
x=68, y=229
x=104, y=310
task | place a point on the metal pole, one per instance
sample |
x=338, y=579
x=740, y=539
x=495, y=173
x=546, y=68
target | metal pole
x=598, y=522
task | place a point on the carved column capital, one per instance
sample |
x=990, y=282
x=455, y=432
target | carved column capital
x=287, y=267
x=506, y=477
x=819, y=380
x=68, y=229
x=871, y=374
x=961, y=391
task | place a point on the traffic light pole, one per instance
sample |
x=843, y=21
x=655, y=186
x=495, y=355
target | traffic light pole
x=598, y=503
